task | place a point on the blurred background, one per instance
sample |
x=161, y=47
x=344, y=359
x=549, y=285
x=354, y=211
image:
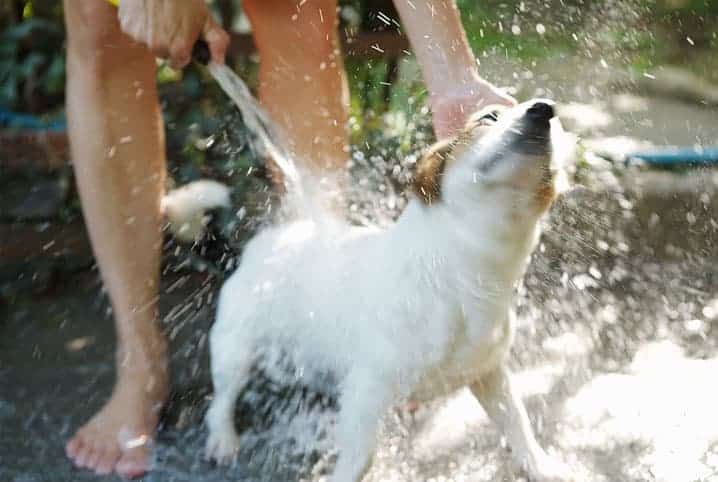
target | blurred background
x=602, y=59
x=620, y=305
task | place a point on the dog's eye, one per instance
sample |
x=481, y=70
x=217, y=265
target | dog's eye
x=489, y=118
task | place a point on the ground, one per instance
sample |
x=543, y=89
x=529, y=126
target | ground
x=616, y=352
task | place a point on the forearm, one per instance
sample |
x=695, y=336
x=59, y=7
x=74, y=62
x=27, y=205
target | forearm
x=439, y=42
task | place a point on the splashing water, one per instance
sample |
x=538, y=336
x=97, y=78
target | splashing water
x=268, y=135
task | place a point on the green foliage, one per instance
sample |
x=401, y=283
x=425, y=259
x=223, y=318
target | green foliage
x=687, y=7
x=520, y=30
x=32, y=65
x=32, y=62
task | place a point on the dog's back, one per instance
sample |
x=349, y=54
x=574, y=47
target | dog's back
x=328, y=294
x=334, y=297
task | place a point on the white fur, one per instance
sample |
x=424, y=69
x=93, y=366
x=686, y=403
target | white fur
x=185, y=208
x=417, y=310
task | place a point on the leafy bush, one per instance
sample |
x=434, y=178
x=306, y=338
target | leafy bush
x=32, y=65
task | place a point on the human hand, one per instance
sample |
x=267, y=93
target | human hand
x=451, y=108
x=171, y=27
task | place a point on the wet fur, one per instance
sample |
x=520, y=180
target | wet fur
x=417, y=310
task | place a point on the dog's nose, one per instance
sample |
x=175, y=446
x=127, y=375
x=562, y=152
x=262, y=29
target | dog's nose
x=541, y=111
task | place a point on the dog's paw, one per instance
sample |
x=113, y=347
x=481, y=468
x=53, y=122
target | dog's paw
x=547, y=469
x=222, y=446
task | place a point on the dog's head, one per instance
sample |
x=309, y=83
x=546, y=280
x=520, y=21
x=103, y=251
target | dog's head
x=503, y=156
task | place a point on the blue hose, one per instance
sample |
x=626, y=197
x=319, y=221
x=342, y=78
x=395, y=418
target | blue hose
x=677, y=157
x=28, y=121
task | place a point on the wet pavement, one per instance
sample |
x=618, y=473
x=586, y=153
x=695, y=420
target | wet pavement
x=616, y=355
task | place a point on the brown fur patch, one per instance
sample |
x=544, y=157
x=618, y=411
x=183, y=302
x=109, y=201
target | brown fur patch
x=433, y=164
x=546, y=193
x=429, y=169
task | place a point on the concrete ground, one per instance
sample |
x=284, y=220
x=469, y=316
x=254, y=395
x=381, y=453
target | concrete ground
x=616, y=353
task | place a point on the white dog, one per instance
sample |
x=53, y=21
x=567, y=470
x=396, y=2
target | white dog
x=414, y=311
x=185, y=208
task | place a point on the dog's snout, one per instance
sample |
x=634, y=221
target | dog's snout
x=541, y=111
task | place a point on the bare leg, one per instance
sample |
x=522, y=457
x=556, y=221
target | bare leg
x=302, y=83
x=448, y=65
x=118, y=151
x=504, y=406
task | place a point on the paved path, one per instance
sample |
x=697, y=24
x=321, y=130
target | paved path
x=616, y=355
x=616, y=352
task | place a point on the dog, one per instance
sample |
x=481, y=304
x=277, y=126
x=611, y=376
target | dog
x=185, y=208
x=414, y=311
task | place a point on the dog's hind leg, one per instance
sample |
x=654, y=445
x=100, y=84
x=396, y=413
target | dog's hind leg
x=230, y=371
x=503, y=404
x=363, y=402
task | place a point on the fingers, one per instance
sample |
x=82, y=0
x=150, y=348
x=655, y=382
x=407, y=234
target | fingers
x=180, y=54
x=170, y=33
x=506, y=99
x=138, y=31
x=216, y=38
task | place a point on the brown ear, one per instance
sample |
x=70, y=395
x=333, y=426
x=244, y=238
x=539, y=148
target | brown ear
x=430, y=169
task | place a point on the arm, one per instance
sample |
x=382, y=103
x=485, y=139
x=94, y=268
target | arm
x=447, y=63
x=171, y=27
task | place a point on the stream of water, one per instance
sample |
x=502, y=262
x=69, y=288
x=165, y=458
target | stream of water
x=267, y=142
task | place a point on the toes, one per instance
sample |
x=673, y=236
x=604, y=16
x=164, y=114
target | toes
x=73, y=447
x=99, y=458
x=83, y=456
x=93, y=458
x=134, y=463
x=107, y=460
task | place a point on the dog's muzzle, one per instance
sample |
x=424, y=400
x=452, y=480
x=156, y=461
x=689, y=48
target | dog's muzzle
x=533, y=129
x=541, y=111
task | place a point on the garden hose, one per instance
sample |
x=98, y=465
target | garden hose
x=678, y=156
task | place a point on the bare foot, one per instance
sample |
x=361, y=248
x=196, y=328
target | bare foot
x=119, y=437
x=451, y=110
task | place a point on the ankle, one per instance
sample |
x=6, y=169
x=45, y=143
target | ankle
x=142, y=357
x=151, y=384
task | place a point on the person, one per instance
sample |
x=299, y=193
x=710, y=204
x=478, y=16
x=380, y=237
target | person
x=117, y=144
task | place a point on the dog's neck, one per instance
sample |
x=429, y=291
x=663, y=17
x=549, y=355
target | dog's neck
x=469, y=239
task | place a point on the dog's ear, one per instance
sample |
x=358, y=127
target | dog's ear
x=430, y=169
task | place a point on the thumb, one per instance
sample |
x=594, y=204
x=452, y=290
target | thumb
x=216, y=38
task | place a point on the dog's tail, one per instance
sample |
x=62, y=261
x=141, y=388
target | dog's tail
x=185, y=208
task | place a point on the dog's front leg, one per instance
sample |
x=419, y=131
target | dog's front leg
x=363, y=402
x=502, y=403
